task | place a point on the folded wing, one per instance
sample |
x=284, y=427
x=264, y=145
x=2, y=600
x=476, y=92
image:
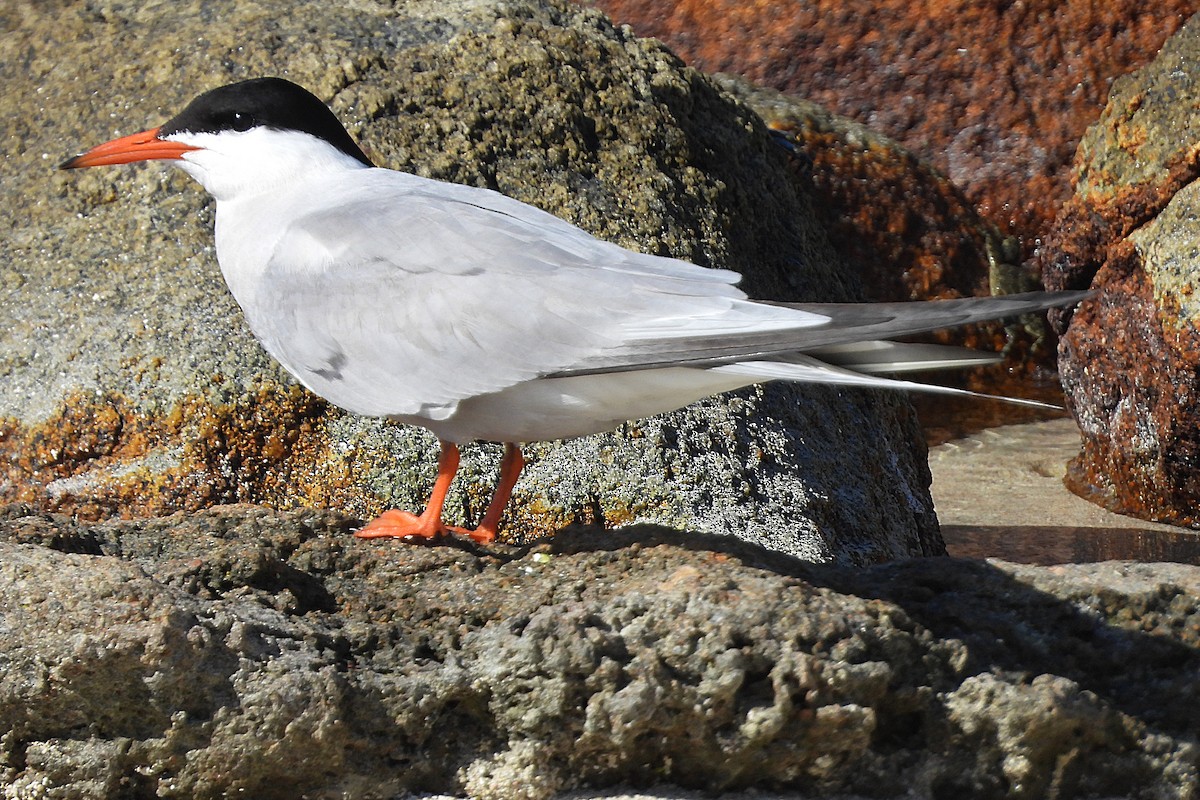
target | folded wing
x=411, y=296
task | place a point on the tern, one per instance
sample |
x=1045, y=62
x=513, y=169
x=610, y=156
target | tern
x=480, y=317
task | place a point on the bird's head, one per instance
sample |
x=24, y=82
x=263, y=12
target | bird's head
x=242, y=137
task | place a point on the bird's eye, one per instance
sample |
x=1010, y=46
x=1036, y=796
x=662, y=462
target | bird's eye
x=240, y=121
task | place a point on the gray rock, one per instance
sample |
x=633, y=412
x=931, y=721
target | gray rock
x=130, y=384
x=242, y=651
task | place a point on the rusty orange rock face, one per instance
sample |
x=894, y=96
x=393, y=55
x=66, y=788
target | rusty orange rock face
x=1131, y=369
x=1129, y=366
x=995, y=94
x=1130, y=360
x=900, y=226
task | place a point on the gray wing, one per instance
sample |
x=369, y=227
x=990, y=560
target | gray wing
x=405, y=296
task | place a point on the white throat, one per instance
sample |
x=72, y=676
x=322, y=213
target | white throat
x=234, y=164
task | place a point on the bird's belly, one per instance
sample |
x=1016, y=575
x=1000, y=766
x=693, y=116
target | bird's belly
x=562, y=408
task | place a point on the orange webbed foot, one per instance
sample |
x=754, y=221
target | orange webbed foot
x=397, y=524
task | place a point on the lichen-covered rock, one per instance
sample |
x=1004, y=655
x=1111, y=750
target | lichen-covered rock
x=131, y=385
x=1130, y=361
x=271, y=655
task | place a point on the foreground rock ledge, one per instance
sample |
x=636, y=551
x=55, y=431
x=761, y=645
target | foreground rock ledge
x=245, y=651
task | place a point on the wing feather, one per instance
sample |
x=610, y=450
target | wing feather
x=397, y=296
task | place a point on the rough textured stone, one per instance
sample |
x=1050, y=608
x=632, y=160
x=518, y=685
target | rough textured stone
x=242, y=651
x=995, y=94
x=131, y=386
x=1131, y=359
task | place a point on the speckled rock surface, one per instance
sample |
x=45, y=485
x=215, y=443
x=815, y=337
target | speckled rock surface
x=994, y=94
x=131, y=386
x=245, y=652
x=1131, y=359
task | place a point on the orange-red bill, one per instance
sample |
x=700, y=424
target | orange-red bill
x=143, y=146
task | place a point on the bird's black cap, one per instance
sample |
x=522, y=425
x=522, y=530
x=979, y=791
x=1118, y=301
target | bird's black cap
x=263, y=102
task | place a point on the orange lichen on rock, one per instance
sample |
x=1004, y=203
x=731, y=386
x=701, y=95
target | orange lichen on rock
x=100, y=456
x=1132, y=370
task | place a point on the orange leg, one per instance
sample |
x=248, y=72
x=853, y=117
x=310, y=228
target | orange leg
x=510, y=470
x=402, y=524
